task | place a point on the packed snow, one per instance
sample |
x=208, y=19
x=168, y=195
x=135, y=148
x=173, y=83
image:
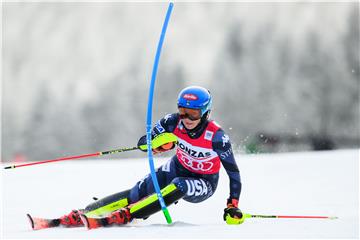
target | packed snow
x=310, y=183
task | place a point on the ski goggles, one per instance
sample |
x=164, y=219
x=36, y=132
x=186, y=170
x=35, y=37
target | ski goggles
x=192, y=114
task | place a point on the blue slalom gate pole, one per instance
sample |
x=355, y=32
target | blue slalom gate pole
x=149, y=116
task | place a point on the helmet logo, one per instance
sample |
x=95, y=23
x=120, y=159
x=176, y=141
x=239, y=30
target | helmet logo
x=189, y=96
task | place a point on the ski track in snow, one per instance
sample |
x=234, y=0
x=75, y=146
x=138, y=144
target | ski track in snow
x=310, y=183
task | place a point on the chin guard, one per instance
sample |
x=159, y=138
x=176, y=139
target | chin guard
x=159, y=140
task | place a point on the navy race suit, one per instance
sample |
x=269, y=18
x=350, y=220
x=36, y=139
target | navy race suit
x=195, y=166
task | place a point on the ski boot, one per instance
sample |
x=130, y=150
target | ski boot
x=72, y=219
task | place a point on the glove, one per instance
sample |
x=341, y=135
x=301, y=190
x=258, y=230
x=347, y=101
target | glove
x=142, y=144
x=232, y=214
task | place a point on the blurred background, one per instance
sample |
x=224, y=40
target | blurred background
x=75, y=76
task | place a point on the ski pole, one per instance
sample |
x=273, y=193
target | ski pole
x=75, y=157
x=283, y=216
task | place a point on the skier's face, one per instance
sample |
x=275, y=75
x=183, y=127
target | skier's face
x=190, y=124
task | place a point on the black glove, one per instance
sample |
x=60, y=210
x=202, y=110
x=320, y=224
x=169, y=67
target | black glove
x=232, y=214
x=142, y=141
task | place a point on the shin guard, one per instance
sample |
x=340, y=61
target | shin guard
x=107, y=205
x=150, y=205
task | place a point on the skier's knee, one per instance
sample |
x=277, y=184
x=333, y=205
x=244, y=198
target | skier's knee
x=195, y=190
x=181, y=185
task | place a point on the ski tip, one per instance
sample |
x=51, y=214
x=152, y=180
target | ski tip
x=30, y=220
x=92, y=223
x=85, y=220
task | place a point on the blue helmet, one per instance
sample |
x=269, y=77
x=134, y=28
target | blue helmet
x=195, y=97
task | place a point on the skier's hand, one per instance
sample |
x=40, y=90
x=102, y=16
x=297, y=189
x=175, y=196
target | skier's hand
x=142, y=142
x=232, y=214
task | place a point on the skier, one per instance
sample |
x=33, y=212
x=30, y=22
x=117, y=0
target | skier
x=192, y=174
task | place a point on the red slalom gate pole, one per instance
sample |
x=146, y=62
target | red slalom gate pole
x=73, y=157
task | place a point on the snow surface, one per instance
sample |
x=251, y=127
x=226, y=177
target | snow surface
x=311, y=183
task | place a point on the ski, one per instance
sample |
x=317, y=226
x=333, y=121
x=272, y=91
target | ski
x=70, y=220
x=42, y=223
x=119, y=217
x=92, y=223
